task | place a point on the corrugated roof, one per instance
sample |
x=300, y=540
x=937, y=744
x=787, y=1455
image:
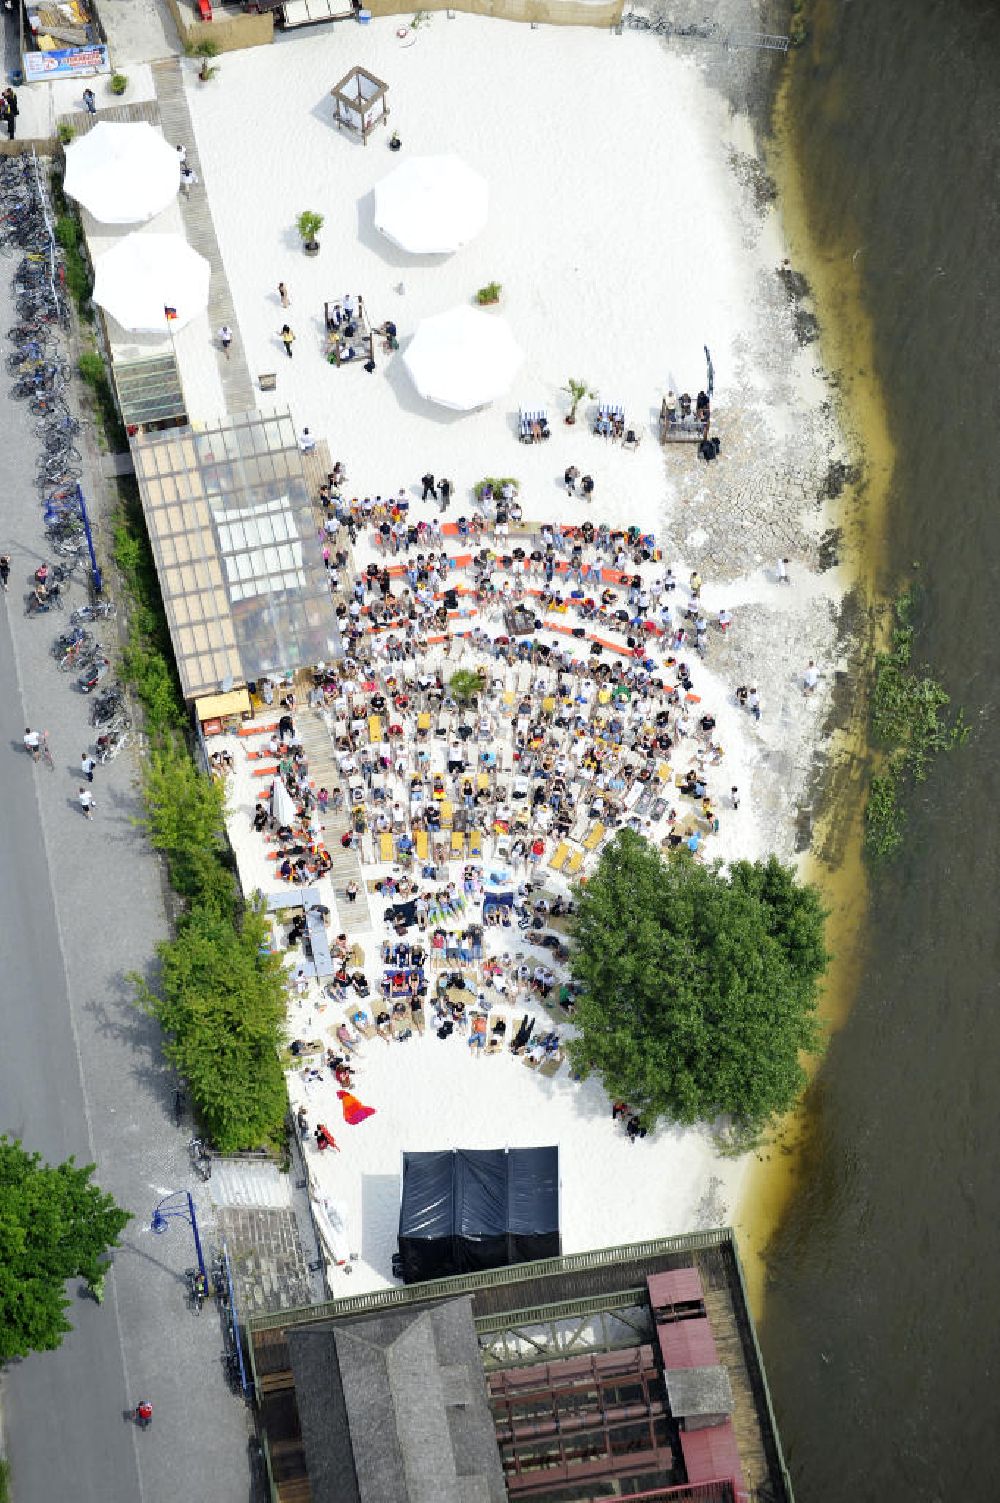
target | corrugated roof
x=711, y=1454
x=687, y=1343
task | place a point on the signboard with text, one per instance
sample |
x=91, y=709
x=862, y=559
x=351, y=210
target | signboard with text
x=72, y=61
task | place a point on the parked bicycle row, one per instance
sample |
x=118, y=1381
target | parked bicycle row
x=37, y=362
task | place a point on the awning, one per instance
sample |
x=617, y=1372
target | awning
x=216, y=706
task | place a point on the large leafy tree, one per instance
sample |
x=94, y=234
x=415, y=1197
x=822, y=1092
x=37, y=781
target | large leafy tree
x=54, y=1225
x=699, y=984
x=221, y=1001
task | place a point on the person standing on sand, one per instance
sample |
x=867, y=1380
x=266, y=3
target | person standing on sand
x=287, y=338
x=4, y=571
x=570, y=478
x=283, y=295
x=782, y=571
x=810, y=678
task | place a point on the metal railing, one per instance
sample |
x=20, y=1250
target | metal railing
x=517, y=1273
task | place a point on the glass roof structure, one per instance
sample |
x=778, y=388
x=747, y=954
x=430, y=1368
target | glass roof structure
x=233, y=533
x=149, y=391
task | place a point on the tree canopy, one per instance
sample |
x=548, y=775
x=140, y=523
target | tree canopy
x=699, y=985
x=54, y=1225
x=221, y=1003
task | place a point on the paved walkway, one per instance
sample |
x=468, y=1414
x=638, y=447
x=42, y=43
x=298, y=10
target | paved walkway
x=175, y=119
x=82, y=1072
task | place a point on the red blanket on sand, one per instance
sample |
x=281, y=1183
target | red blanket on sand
x=354, y=1112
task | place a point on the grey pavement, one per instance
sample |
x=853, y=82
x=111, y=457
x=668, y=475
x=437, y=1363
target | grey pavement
x=81, y=903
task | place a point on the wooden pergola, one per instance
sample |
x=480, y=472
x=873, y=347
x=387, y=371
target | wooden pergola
x=359, y=102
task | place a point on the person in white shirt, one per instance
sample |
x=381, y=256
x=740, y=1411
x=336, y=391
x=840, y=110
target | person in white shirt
x=306, y=441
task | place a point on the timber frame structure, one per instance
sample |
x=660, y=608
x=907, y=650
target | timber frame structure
x=359, y=103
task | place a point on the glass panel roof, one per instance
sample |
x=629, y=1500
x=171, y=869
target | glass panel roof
x=233, y=532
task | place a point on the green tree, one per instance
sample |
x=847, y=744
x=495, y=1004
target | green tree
x=54, y=1225
x=184, y=816
x=221, y=1004
x=699, y=985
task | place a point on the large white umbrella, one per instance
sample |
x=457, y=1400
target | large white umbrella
x=144, y=275
x=431, y=204
x=122, y=174
x=462, y=359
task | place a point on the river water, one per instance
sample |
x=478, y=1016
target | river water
x=880, y=1330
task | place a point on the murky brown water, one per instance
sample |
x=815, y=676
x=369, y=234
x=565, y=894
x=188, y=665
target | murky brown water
x=881, y=1329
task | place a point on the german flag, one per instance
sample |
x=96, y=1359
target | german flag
x=169, y=313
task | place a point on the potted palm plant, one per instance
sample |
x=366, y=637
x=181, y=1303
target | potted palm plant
x=577, y=391
x=309, y=225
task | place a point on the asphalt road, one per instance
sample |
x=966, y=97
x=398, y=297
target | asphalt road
x=81, y=904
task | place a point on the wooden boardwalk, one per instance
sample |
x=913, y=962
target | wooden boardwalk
x=175, y=119
x=80, y=122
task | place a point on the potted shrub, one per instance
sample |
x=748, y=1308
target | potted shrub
x=118, y=83
x=488, y=294
x=206, y=50
x=577, y=391
x=309, y=226
x=464, y=685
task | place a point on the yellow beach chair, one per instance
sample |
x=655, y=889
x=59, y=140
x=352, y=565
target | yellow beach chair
x=457, y=845
x=447, y=814
x=476, y=845
x=574, y=863
x=424, y=721
x=374, y=729
x=595, y=837
x=420, y=844
x=386, y=847
x=559, y=856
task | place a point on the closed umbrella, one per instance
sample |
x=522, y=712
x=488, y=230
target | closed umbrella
x=282, y=804
x=147, y=280
x=431, y=205
x=462, y=359
x=122, y=174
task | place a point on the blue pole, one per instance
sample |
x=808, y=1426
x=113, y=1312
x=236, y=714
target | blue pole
x=95, y=571
x=197, y=1240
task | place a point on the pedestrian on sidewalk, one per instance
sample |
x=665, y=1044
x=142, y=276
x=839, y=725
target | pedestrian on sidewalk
x=4, y=571
x=287, y=339
x=87, y=765
x=90, y=103
x=11, y=112
x=283, y=295
x=225, y=339
x=182, y=156
x=86, y=801
x=189, y=179
x=352, y=891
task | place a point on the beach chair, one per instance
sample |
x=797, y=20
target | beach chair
x=423, y=723
x=476, y=845
x=386, y=847
x=366, y=1027
x=457, y=845
x=595, y=837
x=559, y=856
x=420, y=844
x=574, y=863
x=374, y=729
x=552, y=1064
x=447, y=813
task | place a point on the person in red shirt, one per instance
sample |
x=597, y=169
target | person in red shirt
x=143, y=1413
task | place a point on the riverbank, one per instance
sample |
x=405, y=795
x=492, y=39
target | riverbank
x=836, y=295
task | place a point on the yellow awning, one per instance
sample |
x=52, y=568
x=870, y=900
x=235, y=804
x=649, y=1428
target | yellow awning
x=217, y=706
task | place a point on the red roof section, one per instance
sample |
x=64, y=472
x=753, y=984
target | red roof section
x=687, y=1343
x=711, y=1453
x=677, y=1286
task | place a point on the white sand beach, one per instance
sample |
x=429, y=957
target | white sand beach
x=625, y=241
